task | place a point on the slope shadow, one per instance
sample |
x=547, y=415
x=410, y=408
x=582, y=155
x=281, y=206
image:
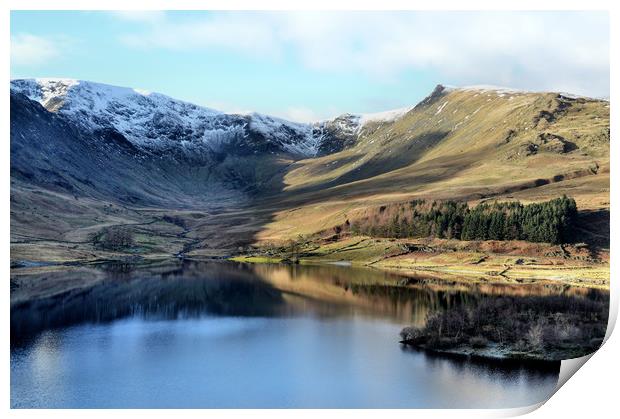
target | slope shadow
x=388, y=160
x=593, y=228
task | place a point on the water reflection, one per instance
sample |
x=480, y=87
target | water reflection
x=192, y=334
x=187, y=289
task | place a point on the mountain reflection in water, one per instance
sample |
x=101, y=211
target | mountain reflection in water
x=213, y=334
x=191, y=289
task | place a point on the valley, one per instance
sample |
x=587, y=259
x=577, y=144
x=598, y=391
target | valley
x=307, y=209
x=191, y=182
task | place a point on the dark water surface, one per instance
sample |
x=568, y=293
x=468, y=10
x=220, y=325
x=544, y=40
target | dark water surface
x=199, y=335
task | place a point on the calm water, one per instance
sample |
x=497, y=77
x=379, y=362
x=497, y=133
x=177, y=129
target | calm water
x=226, y=335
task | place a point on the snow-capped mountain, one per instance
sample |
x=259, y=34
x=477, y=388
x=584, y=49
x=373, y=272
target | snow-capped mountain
x=155, y=122
x=97, y=140
x=110, y=144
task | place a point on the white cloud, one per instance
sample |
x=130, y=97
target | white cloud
x=296, y=114
x=233, y=31
x=32, y=50
x=144, y=16
x=531, y=50
x=223, y=106
x=300, y=114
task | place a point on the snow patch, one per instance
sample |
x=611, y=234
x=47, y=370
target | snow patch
x=440, y=108
x=500, y=90
x=386, y=116
x=156, y=121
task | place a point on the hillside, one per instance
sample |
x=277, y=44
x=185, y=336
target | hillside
x=198, y=182
x=471, y=144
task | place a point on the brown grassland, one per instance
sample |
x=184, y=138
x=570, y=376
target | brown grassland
x=468, y=145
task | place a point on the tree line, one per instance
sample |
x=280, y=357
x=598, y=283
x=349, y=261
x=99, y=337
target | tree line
x=550, y=222
x=114, y=238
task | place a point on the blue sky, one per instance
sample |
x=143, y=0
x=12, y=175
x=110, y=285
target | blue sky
x=312, y=65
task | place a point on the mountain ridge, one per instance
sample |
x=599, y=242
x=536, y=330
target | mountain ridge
x=239, y=179
x=154, y=121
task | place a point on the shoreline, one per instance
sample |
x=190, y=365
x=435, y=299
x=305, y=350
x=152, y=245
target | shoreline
x=486, y=354
x=30, y=283
x=450, y=261
x=471, y=262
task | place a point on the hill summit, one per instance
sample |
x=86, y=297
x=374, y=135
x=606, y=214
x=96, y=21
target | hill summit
x=78, y=147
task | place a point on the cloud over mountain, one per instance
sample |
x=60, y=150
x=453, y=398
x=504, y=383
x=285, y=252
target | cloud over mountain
x=531, y=50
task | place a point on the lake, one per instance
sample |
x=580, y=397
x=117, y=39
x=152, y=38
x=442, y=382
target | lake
x=225, y=335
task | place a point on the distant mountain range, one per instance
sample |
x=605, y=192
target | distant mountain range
x=84, y=144
x=155, y=122
x=148, y=148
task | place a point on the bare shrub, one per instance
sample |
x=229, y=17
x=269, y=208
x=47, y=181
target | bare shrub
x=521, y=345
x=562, y=329
x=115, y=238
x=534, y=336
x=478, y=342
x=411, y=333
x=549, y=326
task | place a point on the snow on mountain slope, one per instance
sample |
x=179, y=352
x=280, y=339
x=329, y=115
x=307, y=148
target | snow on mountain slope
x=353, y=123
x=343, y=131
x=296, y=137
x=386, y=116
x=155, y=122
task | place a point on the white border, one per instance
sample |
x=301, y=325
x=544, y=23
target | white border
x=590, y=394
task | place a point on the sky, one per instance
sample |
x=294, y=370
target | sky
x=307, y=66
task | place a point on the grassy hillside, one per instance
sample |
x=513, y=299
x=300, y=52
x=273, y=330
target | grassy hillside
x=461, y=144
x=466, y=144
